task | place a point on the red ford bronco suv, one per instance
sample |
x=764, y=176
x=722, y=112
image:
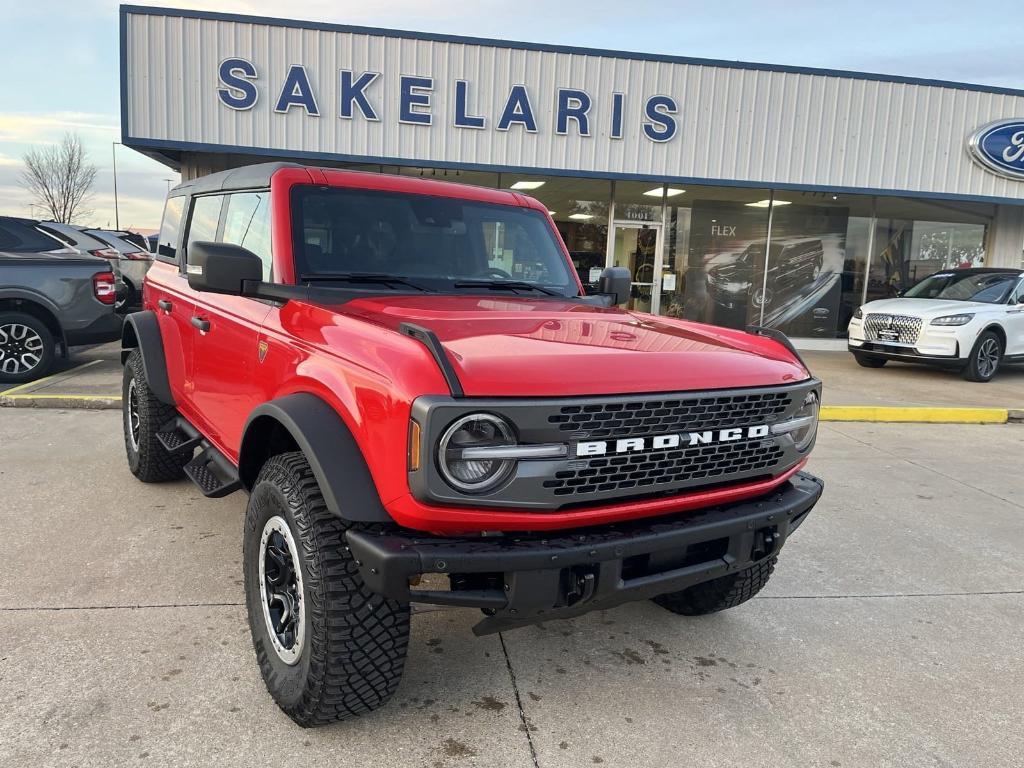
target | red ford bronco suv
x=406, y=377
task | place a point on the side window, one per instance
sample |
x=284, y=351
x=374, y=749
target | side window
x=167, y=243
x=15, y=236
x=1017, y=297
x=512, y=249
x=247, y=223
x=202, y=224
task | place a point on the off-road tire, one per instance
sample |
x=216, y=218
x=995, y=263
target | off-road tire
x=46, y=353
x=149, y=460
x=719, y=594
x=353, y=651
x=868, y=361
x=975, y=370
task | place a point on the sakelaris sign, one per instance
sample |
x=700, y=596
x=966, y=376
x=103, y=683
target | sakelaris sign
x=358, y=98
x=999, y=146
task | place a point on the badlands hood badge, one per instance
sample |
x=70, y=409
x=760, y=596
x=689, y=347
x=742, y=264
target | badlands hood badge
x=262, y=350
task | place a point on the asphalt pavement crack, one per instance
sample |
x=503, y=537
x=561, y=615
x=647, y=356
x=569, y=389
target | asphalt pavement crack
x=139, y=607
x=519, y=702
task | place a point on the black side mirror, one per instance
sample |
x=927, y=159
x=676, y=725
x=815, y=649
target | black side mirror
x=615, y=282
x=222, y=267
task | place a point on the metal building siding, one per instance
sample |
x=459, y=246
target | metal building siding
x=749, y=125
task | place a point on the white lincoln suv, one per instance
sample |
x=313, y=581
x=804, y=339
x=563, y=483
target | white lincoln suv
x=969, y=319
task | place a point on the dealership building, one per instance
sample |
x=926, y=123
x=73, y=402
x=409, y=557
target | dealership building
x=735, y=193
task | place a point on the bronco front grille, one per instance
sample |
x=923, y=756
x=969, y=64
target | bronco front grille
x=901, y=329
x=676, y=414
x=648, y=470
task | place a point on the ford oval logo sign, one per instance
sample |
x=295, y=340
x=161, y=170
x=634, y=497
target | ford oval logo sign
x=999, y=147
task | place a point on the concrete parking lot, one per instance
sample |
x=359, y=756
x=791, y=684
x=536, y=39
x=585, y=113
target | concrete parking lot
x=889, y=636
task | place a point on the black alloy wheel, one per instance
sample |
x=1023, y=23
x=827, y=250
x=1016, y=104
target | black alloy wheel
x=281, y=590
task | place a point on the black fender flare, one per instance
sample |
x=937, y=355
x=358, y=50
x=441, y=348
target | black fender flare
x=142, y=330
x=328, y=445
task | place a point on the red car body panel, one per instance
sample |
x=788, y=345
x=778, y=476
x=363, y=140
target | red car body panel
x=353, y=357
x=519, y=347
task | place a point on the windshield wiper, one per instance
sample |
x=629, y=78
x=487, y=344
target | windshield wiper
x=363, y=277
x=510, y=285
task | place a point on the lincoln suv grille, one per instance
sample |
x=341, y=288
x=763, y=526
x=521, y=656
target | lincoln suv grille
x=647, y=471
x=900, y=329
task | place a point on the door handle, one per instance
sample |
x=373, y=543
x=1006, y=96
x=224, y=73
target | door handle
x=202, y=324
x=165, y=305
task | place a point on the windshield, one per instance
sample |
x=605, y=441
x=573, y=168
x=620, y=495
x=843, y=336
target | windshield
x=989, y=287
x=433, y=243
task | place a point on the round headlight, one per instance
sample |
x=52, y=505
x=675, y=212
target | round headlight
x=804, y=424
x=804, y=435
x=478, y=430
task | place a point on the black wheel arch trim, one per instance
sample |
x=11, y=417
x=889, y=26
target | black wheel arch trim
x=142, y=331
x=328, y=445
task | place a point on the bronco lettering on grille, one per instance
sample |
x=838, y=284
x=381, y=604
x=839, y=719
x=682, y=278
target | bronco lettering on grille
x=667, y=442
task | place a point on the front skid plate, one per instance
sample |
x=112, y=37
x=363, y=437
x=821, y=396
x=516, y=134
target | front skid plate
x=547, y=577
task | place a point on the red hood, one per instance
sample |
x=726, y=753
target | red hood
x=504, y=347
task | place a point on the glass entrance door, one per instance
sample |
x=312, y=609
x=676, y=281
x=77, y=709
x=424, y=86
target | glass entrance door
x=637, y=247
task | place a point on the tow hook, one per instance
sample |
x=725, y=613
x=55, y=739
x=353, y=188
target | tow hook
x=766, y=542
x=582, y=583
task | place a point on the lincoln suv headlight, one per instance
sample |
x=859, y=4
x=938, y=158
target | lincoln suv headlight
x=963, y=319
x=804, y=424
x=858, y=314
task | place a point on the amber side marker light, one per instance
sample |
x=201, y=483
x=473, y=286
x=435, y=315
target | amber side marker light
x=414, y=446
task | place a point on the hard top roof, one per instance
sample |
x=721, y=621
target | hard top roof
x=258, y=177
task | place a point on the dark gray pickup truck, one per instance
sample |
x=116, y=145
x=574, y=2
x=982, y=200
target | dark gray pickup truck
x=51, y=299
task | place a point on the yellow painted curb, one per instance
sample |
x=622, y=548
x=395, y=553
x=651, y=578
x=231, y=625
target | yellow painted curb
x=61, y=402
x=84, y=398
x=37, y=382
x=914, y=414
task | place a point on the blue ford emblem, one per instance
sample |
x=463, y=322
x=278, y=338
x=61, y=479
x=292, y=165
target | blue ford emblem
x=999, y=147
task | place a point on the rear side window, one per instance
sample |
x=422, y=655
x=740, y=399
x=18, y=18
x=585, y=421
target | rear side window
x=167, y=243
x=15, y=236
x=247, y=223
x=205, y=218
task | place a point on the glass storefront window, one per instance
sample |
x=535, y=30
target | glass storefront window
x=712, y=264
x=915, y=238
x=816, y=263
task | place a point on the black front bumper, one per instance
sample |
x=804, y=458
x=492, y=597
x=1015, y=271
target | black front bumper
x=524, y=579
x=906, y=355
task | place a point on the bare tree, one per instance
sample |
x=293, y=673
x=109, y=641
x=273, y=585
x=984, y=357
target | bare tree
x=60, y=179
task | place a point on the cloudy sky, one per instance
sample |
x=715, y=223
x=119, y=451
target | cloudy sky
x=59, y=58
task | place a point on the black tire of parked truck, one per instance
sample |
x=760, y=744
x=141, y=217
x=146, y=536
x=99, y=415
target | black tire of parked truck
x=719, y=594
x=142, y=415
x=329, y=649
x=26, y=348
x=869, y=361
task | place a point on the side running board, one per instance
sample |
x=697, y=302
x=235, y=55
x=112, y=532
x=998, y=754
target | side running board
x=433, y=344
x=210, y=470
